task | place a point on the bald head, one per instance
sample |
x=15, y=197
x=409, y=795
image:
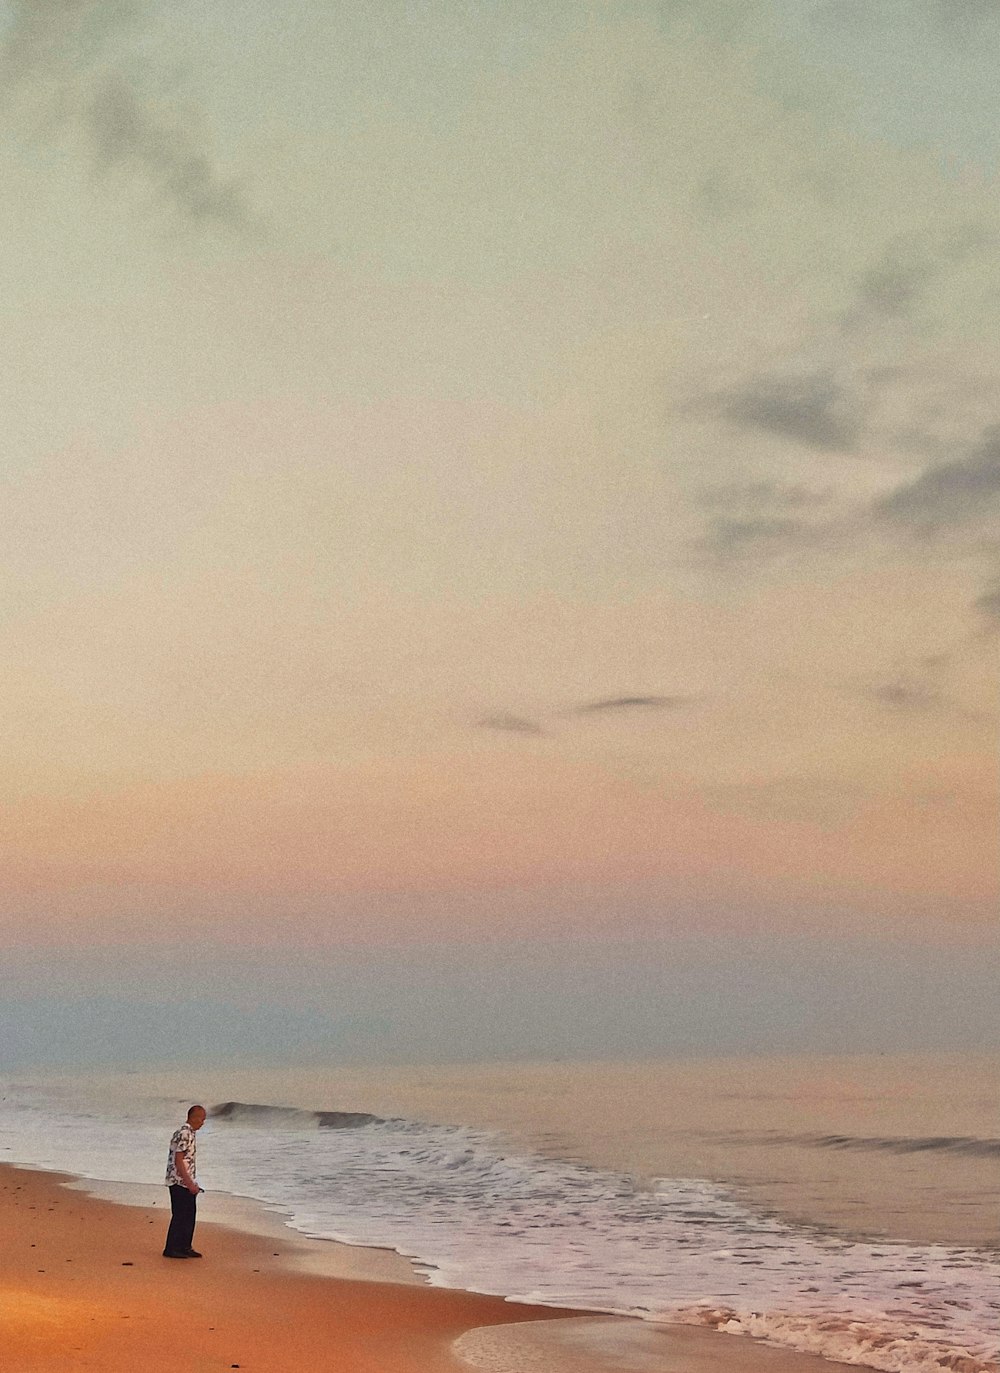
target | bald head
x=196, y=1117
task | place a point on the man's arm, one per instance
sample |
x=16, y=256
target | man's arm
x=180, y=1163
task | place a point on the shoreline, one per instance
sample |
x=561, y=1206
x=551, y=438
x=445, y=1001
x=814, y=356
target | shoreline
x=302, y=1253
x=83, y=1285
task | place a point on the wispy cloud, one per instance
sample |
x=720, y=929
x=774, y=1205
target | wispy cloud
x=612, y=704
x=128, y=137
x=854, y=387
x=897, y=694
x=897, y=282
x=510, y=724
x=756, y=535
x=813, y=409
x=915, y=688
x=846, y=387
x=760, y=496
x=988, y=606
x=889, y=288
x=507, y=723
x=948, y=494
x=70, y=65
x=758, y=518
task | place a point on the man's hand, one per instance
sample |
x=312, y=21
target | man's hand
x=180, y=1163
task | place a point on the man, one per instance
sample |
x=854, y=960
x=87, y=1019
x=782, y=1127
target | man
x=183, y=1187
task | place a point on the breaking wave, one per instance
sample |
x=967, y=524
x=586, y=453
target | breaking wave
x=872, y=1343
x=249, y=1113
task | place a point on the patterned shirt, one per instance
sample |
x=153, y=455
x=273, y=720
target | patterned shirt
x=181, y=1142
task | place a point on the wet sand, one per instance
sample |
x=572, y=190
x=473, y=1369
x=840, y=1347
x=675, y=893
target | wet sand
x=83, y=1285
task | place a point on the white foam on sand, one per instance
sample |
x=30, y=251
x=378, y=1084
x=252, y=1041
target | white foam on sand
x=781, y=1344
x=576, y=1345
x=590, y=1344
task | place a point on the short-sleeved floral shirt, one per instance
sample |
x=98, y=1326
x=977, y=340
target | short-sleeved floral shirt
x=182, y=1141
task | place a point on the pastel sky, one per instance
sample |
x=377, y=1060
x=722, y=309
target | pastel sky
x=479, y=471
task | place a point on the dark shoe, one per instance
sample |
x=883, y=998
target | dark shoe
x=176, y=1254
x=191, y=1254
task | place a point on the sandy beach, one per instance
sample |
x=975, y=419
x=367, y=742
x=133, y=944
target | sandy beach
x=83, y=1285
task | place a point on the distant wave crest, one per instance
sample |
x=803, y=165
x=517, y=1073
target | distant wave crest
x=251, y=1113
x=889, y=1144
x=910, y=1144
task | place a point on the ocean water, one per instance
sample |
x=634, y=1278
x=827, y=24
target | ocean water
x=847, y=1207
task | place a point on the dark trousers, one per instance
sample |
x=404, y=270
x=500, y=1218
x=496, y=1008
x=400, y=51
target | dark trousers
x=183, y=1208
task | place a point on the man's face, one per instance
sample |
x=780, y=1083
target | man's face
x=197, y=1120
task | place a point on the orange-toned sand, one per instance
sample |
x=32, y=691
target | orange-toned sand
x=83, y=1285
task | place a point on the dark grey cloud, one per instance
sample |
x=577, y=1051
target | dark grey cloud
x=948, y=494
x=510, y=724
x=71, y=67
x=626, y=703
x=812, y=409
